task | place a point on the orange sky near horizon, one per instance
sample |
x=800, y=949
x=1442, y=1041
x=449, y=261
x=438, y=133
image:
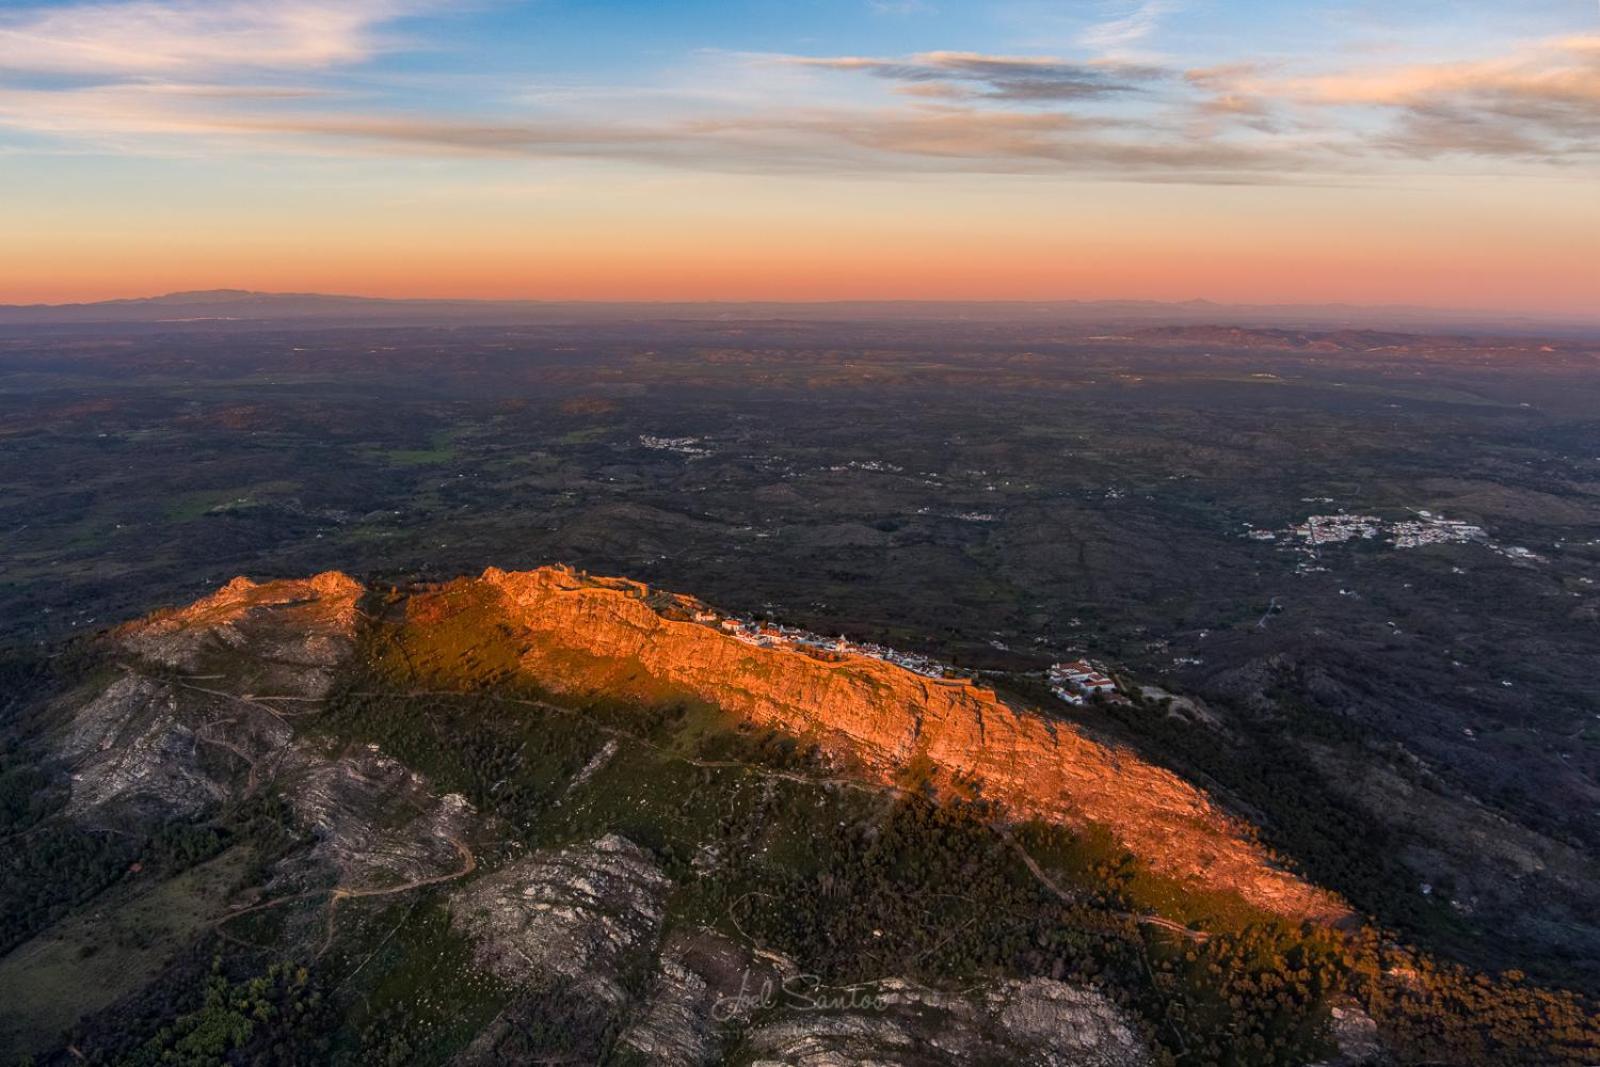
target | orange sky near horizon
x=1238, y=152
x=862, y=274
x=1494, y=246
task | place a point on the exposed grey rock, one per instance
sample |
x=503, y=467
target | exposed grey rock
x=1355, y=1035
x=1062, y=1024
x=600, y=759
x=133, y=743
x=677, y=1027
x=896, y=1024
x=165, y=741
x=706, y=987
x=175, y=743
x=351, y=804
x=99, y=723
x=579, y=913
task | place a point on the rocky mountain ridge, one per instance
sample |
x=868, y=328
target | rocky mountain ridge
x=545, y=814
x=579, y=637
x=202, y=711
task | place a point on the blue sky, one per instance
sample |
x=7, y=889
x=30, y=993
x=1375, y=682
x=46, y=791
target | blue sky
x=129, y=125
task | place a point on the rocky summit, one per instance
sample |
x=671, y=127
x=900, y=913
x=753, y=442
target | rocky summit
x=545, y=816
x=580, y=636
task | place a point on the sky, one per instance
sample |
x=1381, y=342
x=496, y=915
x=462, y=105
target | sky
x=1428, y=153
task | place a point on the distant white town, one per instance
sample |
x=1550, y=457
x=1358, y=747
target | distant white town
x=684, y=446
x=1426, y=528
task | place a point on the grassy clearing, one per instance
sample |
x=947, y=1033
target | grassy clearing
x=184, y=507
x=416, y=994
x=111, y=947
x=585, y=436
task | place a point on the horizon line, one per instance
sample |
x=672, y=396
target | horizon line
x=1540, y=315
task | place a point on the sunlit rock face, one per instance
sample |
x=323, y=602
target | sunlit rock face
x=296, y=630
x=253, y=655
x=201, y=707
x=201, y=711
x=584, y=638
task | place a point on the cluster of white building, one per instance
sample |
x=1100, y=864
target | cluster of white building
x=878, y=465
x=1075, y=682
x=1431, y=529
x=684, y=446
x=773, y=635
x=1425, y=529
x=1335, y=529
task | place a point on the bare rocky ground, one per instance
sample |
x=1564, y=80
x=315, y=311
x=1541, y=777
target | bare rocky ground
x=587, y=914
x=896, y=1024
x=579, y=914
x=202, y=711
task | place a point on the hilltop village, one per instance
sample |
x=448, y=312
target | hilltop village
x=1074, y=682
x=773, y=635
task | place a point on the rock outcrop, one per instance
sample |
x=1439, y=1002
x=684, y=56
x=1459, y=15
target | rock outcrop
x=579, y=914
x=134, y=742
x=580, y=918
x=705, y=989
x=893, y=1023
x=203, y=708
x=711, y=996
x=583, y=637
x=253, y=655
x=202, y=711
x=296, y=630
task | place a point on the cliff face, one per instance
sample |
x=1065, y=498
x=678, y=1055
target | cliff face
x=206, y=709
x=584, y=637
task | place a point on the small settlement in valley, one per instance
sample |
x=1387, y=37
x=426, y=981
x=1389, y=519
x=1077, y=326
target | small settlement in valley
x=1424, y=528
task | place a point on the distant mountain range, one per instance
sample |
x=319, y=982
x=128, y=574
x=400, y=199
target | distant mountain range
x=243, y=307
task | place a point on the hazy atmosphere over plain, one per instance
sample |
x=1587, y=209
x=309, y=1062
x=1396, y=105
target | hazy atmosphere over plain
x=1424, y=153
x=800, y=533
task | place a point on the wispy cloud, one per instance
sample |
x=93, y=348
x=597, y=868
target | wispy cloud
x=170, y=38
x=1015, y=78
x=1539, y=101
x=794, y=140
x=149, y=75
x=1116, y=35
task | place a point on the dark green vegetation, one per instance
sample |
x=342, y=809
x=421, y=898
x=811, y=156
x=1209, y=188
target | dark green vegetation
x=852, y=883
x=997, y=496
x=855, y=884
x=52, y=864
